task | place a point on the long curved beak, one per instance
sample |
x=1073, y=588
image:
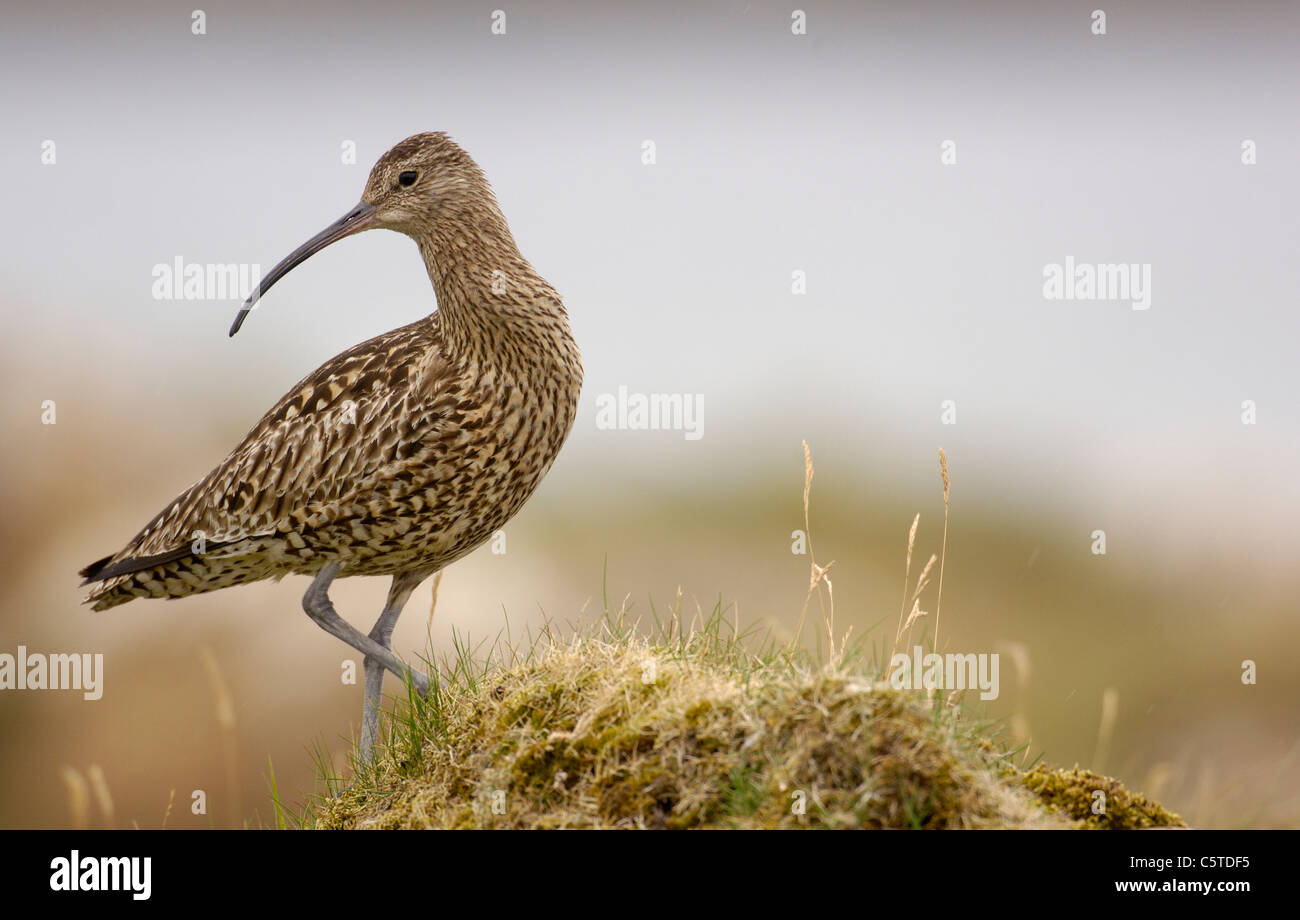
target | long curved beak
x=359, y=218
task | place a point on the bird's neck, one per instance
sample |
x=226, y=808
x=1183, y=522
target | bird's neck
x=493, y=307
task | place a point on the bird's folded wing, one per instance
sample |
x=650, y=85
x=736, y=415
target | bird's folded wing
x=352, y=431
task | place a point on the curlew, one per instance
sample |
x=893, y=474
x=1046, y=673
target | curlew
x=398, y=456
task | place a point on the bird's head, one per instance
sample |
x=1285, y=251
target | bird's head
x=425, y=179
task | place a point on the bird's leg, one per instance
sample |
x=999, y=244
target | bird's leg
x=382, y=633
x=318, y=606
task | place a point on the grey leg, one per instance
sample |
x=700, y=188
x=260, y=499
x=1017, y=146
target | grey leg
x=318, y=606
x=382, y=633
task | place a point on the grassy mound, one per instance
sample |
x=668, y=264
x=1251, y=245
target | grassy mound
x=693, y=731
x=707, y=729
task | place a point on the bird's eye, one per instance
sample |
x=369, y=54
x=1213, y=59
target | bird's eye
x=408, y=177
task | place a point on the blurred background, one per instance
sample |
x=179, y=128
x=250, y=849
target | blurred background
x=775, y=153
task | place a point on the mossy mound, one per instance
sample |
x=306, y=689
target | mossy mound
x=607, y=734
x=1097, y=801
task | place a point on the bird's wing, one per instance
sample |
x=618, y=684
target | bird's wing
x=351, y=429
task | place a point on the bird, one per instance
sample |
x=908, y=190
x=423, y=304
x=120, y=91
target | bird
x=398, y=456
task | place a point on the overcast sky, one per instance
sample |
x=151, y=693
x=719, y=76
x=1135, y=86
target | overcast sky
x=775, y=153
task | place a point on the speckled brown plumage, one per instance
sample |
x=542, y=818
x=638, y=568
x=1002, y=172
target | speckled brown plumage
x=403, y=453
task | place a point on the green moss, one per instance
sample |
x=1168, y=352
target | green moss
x=1098, y=801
